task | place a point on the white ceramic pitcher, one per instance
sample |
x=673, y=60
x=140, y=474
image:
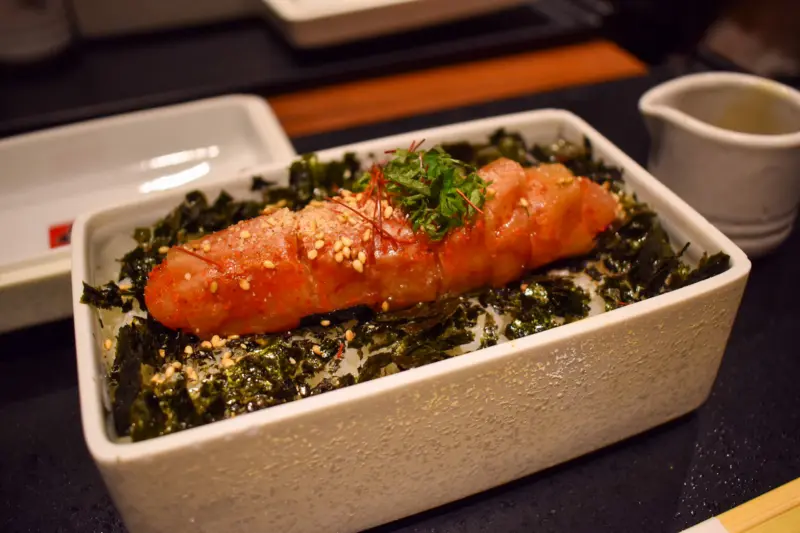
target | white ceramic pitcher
x=729, y=145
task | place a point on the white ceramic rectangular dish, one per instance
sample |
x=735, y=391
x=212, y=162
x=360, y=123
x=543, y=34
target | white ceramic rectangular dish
x=51, y=176
x=374, y=452
x=316, y=23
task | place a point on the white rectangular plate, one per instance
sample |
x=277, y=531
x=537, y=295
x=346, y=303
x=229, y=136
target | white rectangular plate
x=51, y=176
x=374, y=452
x=315, y=23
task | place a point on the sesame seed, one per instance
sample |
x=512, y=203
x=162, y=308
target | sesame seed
x=169, y=372
x=187, y=276
x=346, y=252
x=244, y=284
x=107, y=344
x=337, y=246
x=162, y=353
x=269, y=264
x=362, y=257
x=366, y=235
x=188, y=350
x=292, y=361
x=312, y=254
x=233, y=337
x=342, y=218
x=384, y=203
x=339, y=257
x=523, y=202
x=272, y=222
x=213, y=287
x=313, y=225
x=358, y=266
x=163, y=249
x=216, y=342
x=157, y=378
x=346, y=241
x=346, y=193
x=177, y=365
x=566, y=180
x=125, y=286
x=282, y=203
x=385, y=306
x=206, y=246
x=389, y=211
x=320, y=235
x=359, y=196
x=245, y=234
x=319, y=244
x=206, y=345
x=349, y=335
x=191, y=373
x=316, y=349
x=227, y=362
x=490, y=190
x=325, y=323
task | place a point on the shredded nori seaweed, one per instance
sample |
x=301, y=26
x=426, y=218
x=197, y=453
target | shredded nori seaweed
x=108, y=296
x=632, y=261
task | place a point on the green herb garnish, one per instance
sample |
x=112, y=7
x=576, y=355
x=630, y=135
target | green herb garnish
x=438, y=192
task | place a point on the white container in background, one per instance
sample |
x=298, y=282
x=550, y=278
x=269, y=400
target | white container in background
x=729, y=144
x=318, y=23
x=51, y=176
x=374, y=452
x=31, y=30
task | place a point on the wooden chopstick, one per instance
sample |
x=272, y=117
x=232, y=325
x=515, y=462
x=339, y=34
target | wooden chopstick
x=777, y=511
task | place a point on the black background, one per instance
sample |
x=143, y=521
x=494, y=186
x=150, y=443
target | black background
x=744, y=441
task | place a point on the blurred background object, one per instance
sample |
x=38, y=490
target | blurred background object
x=32, y=30
x=107, y=18
x=761, y=36
x=655, y=30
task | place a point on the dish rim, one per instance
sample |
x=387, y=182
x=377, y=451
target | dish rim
x=56, y=262
x=649, y=104
x=93, y=413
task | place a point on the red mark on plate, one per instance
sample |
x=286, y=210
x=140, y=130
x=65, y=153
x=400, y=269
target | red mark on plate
x=60, y=235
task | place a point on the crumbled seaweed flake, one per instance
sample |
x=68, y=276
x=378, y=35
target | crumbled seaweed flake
x=108, y=296
x=260, y=184
x=490, y=334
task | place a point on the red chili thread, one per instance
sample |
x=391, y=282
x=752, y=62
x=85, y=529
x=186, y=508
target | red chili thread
x=365, y=217
x=198, y=256
x=464, y=196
